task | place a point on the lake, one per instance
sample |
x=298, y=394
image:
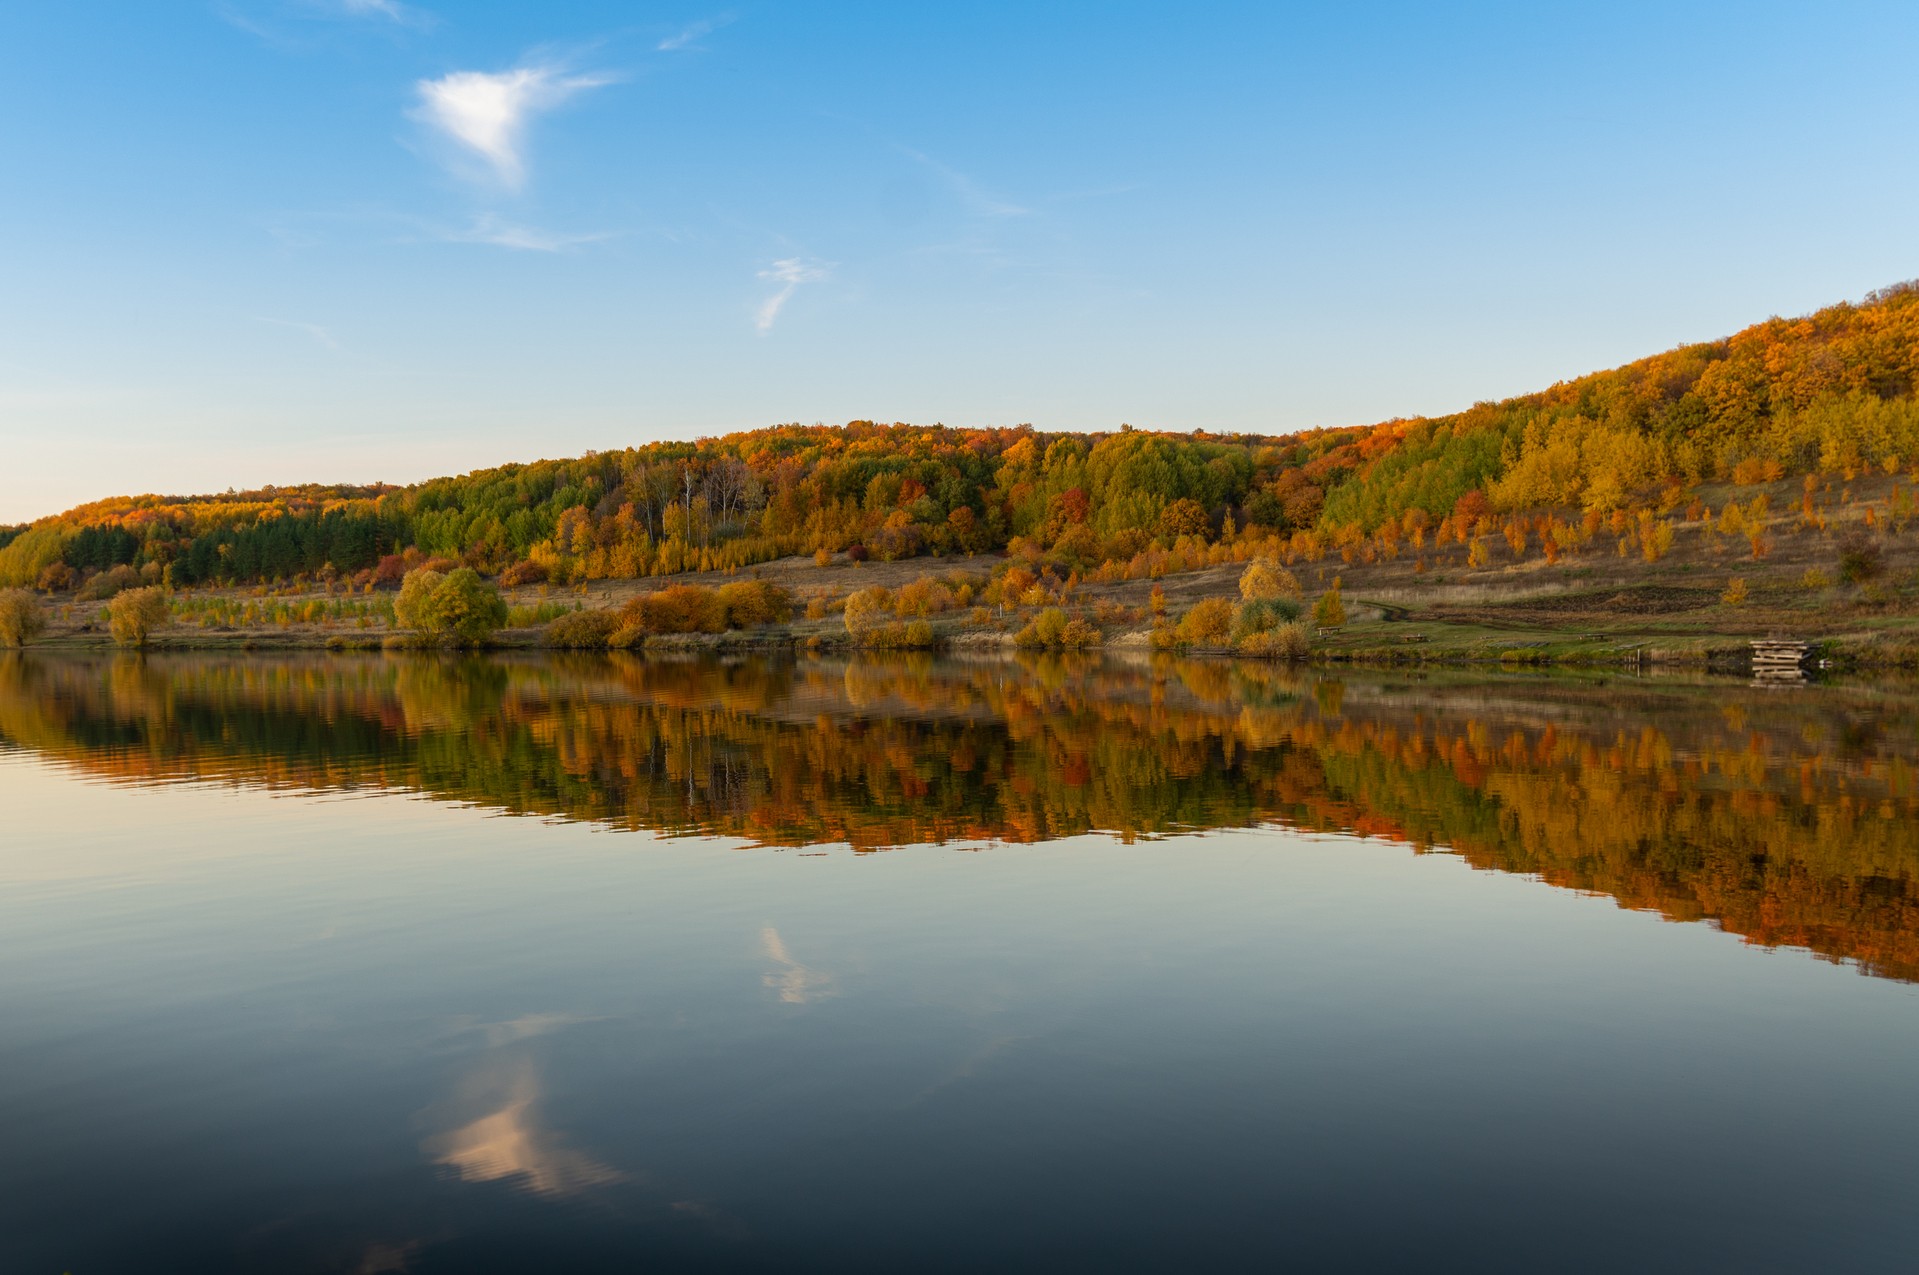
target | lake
x=378, y=963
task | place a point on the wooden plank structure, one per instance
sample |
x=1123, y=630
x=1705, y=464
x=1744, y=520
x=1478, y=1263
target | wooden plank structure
x=1779, y=660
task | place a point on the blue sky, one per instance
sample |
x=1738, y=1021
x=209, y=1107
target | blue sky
x=261, y=241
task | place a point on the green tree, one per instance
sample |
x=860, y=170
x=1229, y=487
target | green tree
x=456, y=607
x=414, y=607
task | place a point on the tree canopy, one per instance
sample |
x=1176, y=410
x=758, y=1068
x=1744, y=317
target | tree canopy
x=1830, y=392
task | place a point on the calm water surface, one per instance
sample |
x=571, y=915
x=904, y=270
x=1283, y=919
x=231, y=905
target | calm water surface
x=367, y=964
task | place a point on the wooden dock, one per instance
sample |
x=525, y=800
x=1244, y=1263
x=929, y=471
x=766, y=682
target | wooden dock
x=1779, y=660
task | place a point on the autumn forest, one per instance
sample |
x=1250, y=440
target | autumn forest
x=1615, y=454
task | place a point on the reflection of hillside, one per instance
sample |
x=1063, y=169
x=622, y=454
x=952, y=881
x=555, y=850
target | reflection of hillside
x=1790, y=820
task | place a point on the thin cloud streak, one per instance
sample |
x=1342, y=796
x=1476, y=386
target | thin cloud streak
x=977, y=201
x=790, y=274
x=270, y=27
x=687, y=35
x=488, y=112
x=313, y=330
x=389, y=9
x=488, y=229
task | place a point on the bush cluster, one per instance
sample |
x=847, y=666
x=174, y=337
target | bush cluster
x=582, y=630
x=871, y=619
x=523, y=573
x=1052, y=629
x=1262, y=616
x=1267, y=627
x=693, y=608
x=108, y=583
x=679, y=608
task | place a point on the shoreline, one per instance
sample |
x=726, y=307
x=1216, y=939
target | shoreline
x=1538, y=650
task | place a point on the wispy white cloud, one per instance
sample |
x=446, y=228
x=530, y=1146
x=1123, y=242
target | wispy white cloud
x=789, y=274
x=978, y=201
x=391, y=10
x=487, y=112
x=271, y=22
x=313, y=330
x=489, y=229
x=687, y=36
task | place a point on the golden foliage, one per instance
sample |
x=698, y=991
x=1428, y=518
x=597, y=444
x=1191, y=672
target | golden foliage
x=21, y=619
x=1265, y=579
x=134, y=614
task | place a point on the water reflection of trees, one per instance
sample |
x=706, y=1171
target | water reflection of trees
x=1789, y=819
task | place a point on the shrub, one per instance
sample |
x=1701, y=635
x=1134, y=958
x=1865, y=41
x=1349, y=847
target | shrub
x=109, y=583
x=866, y=611
x=679, y=608
x=391, y=569
x=535, y=616
x=21, y=619
x=1264, y=580
x=856, y=553
x=582, y=630
x=1292, y=642
x=1329, y=612
x=1207, y=623
x=913, y=635
x=1283, y=642
x=1078, y=635
x=1860, y=558
x=1052, y=629
x=1814, y=578
x=1735, y=594
x=56, y=578
x=924, y=596
x=456, y=606
x=134, y=614
x=747, y=604
x=823, y=557
x=522, y=573
x=1262, y=616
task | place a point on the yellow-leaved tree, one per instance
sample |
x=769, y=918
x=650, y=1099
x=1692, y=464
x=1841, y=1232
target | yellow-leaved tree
x=134, y=614
x=1329, y=612
x=1264, y=580
x=21, y=619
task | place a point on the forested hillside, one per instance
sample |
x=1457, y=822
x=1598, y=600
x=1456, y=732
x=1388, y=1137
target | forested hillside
x=1829, y=393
